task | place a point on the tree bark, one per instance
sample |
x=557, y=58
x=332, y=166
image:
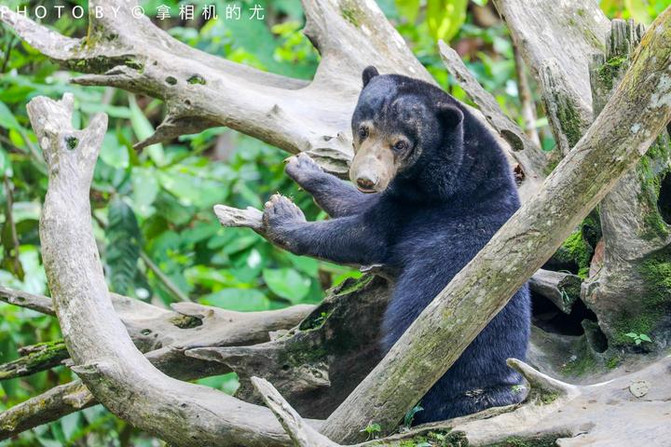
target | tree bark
x=629, y=291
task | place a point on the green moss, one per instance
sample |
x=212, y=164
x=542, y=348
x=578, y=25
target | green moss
x=610, y=70
x=654, y=226
x=552, y=162
x=101, y=64
x=651, y=170
x=575, y=250
x=639, y=322
x=41, y=356
x=71, y=142
x=186, y=321
x=582, y=362
x=652, y=307
x=547, y=397
x=613, y=362
x=514, y=441
x=171, y=80
x=134, y=64
x=434, y=438
x=352, y=285
x=571, y=123
x=196, y=79
x=313, y=322
x=349, y=11
x=301, y=353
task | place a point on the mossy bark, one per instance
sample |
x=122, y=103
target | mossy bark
x=629, y=291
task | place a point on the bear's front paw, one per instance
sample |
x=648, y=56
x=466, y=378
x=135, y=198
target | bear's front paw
x=279, y=215
x=301, y=168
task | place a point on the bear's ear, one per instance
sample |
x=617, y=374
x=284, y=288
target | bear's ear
x=449, y=116
x=369, y=73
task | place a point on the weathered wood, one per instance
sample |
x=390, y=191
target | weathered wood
x=637, y=112
x=558, y=47
x=302, y=434
x=563, y=289
x=202, y=90
x=317, y=364
x=28, y=300
x=34, y=359
x=104, y=355
x=556, y=413
x=628, y=293
x=569, y=31
x=569, y=115
x=167, y=333
x=47, y=407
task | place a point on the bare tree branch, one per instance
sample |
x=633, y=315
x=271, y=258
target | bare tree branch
x=34, y=359
x=202, y=90
x=47, y=407
x=563, y=289
x=28, y=300
x=302, y=434
x=528, y=107
x=104, y=355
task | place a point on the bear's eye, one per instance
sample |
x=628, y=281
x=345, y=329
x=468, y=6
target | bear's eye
x=401, y=145
x=363, y=132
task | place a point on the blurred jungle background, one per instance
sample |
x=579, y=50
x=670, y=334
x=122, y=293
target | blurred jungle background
x=156, y=231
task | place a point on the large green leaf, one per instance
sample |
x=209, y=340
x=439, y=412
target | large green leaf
x=7, y=119
x=143, y=129
x=445, y=17
x=242, y=300
x=408, y=9
x=287, y=283
x=123, y=245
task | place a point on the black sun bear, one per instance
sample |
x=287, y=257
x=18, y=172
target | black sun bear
x=430, y=187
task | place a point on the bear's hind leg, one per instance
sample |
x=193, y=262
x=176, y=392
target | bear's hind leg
x=471, y=402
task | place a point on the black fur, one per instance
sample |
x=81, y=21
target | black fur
x=452, y=192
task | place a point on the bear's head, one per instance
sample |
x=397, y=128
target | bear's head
x=404, y=128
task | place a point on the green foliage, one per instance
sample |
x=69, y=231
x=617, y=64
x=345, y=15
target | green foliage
x=445, y=17
x=373, y=430
x=123, y=245
x=638, y=338
x=642, y=11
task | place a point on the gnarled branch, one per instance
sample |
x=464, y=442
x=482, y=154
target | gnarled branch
x=104, y=355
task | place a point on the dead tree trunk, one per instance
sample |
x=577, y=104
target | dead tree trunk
x=630, y=291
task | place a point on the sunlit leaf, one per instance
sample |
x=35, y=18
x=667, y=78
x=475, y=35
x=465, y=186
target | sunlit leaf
x=242, y=300
x=287, y=283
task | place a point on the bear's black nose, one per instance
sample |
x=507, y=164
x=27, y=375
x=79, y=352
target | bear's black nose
x=365, y=183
